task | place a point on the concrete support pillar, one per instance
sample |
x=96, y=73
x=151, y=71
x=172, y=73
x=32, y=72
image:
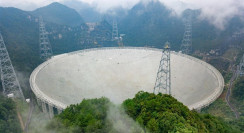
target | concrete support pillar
x=38, y=101
x=50, y=111
x=44, y=107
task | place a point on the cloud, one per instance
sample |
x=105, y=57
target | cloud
x=217, y=12
x=121, y=122
x=104, y=5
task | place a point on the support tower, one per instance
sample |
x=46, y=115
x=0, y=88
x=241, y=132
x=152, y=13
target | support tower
x=9, y=79
x=163, y=80
x=186, y=46
x=116, y=36
x=115, y=33
x=44, y=44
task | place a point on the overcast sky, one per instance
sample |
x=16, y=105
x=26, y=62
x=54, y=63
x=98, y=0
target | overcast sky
x=218, y=12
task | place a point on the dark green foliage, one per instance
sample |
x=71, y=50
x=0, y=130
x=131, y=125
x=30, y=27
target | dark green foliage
x=9, y=122
x=151, y=25
x=237, y=98
x=238, y=91
x=163, y=113
x=222, y=65
x=88, y=116
x=69, y=40
x=155, y=113
x=20, y=34
x=219, y=108
x=238, y=124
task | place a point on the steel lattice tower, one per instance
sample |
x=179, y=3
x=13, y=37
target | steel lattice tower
x=44, y=44
x=115, y=33
x=163, y=80
x=186, y=46
x=9, y=79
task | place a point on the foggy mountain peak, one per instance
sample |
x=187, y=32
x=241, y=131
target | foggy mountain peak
x=60, y=14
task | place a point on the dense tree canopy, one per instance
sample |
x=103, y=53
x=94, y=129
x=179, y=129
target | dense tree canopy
x=163, y=113
x=88, y=116
x=154, y=113
x=9, y=122
x=238, y=91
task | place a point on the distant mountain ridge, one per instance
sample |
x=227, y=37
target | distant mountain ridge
x=151, y=25
x=20, y=33
x=88, y=13
x=59, y=14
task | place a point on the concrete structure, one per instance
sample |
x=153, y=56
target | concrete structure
x=119, y=73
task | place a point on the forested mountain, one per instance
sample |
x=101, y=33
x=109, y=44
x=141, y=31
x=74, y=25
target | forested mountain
x=91, y=14
x=206, y=36
x=88, y=13
x=20, y=30
x=20, y=33
x=148, y=24
x=9, y=122
x=162, y=113
x=59, y=14
x=151, y=24
x=149, y=113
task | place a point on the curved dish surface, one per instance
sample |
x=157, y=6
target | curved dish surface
x=119, y=73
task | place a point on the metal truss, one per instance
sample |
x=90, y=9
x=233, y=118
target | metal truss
x=9, y=79
x=163, y=80
x=115, y=33
x=186, y=46
x=44, y=44
x=116, y=36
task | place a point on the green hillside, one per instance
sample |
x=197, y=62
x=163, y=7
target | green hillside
x=59, y=14
x=154, y=113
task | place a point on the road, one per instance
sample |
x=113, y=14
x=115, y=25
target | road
x=228, y=94
x=20, y=120
x=29, y=117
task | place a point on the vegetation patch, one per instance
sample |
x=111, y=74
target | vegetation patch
x=148, y=113
x=9, y=122
x=163, y=113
